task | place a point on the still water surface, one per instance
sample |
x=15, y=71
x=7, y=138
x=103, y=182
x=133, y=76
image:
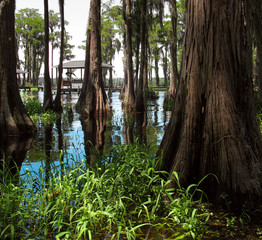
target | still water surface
x=74, y=137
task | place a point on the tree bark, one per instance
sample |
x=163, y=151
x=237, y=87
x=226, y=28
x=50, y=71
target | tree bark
x=140, y=98
x=213, y=128
x=48, y=101
x=129, y=97
x=57, y=103
x=13, y=117
x=258, y=34
x=96, y=101
x=173, y=52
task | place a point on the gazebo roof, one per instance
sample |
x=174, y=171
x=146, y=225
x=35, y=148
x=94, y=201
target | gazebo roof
x=79, y=64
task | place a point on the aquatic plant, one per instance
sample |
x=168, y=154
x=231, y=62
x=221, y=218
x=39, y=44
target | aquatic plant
x=32, y=105
x=122, y=196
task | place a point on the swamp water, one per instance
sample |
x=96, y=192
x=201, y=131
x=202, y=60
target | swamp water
x=70, y=140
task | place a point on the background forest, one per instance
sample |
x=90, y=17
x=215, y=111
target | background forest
x=201, y=179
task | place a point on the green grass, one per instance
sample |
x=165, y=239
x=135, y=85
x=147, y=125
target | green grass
x=122, y=197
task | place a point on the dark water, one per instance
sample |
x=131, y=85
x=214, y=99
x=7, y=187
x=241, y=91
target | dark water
x=71, y=139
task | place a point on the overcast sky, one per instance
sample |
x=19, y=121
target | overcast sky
x=76, y=13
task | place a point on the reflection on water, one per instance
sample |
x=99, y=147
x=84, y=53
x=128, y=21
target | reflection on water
x=70, y=139
x=13, y=150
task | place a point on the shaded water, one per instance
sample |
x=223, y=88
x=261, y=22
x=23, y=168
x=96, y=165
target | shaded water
x=73, y=139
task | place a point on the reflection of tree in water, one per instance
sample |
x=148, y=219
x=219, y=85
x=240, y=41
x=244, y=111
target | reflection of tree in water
x=94, y=136
x=48, y=149
x=128, y=131
x=141, y=123
x=13, y=150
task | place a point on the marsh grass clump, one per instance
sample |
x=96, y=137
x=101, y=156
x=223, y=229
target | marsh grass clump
x=35, y=110
x=122, y=197
x=32, y=104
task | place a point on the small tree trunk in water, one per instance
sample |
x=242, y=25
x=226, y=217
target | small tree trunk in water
x=96, y=101
x=173, y=51
x=110, y=84
x=48, y=101
x=129, y=97
x=13, y=117
x=57, y=103
x=213, y=128
x=140, y=98
x=156, y=68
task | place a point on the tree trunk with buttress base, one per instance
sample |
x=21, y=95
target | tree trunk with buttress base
x=213, y=127
x=95, y=101
x=13, y=117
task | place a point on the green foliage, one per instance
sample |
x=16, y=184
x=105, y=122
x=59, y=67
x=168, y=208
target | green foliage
x=32, y=104
x=30, y=38
x=123, y=196
x=150, y=93
x=168, y=106
x=259, y=116
x=35, y=110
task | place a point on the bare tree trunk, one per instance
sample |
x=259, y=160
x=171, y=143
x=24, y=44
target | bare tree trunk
x=258, y=34
x=96, y=101
x=140, y=98
x=57, y=103
x=156, y=68
x=213, y=128
x=13, y=117
x=48, y=101
x=173, y=51
x=129, y=98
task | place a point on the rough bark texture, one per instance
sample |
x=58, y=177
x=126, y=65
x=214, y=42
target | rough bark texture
x=129, y=98
x=213, y=128
x=57, y=102
x=13, y=117
x=258, y=34
x=48, y=101
x=96, y=101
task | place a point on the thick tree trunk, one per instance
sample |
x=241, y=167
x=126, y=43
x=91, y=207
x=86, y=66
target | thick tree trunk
x=96, y=101
x=13, y=117
x=48, y=101
x=213, y=128
x=57, y=103
x=258, y=34
x=129, y=98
